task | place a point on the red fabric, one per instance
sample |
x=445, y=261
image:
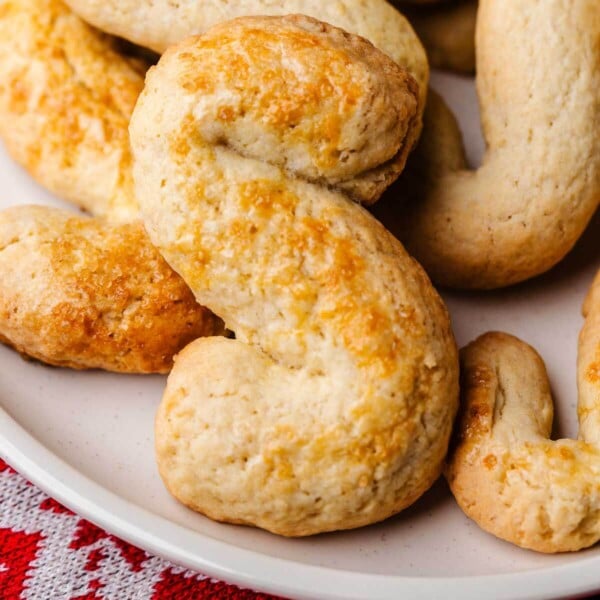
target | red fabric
x=17, y=551
x=46, y=551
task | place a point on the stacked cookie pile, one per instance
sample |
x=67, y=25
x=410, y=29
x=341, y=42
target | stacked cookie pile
x=315, y=384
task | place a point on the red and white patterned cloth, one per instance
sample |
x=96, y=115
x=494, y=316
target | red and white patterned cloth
x=47, y=552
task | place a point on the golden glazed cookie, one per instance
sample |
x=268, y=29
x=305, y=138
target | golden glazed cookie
x=66, y=96
x=447, y=31
x=332, y=408
x=79, y=293
x=539, y=185
x=504, y=472
x=351, y=131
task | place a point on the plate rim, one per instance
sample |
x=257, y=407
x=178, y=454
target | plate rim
x=252, y=569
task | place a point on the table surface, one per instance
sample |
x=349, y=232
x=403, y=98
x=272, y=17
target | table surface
x=47, y=552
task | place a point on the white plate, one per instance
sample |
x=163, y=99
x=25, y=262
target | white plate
x=86, y=439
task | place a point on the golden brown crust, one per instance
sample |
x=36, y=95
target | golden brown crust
x=341, y=114
x=79, y=293
x=503, y=470
x=332, y=408
x=66, y=95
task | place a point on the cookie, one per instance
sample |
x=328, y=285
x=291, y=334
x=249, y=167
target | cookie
x=504, y=471
x=66, y=95
x=333, y=406
x=80, y=293
x=523, y=210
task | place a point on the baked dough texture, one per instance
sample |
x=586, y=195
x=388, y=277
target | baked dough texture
x=346, y=120
x=332, y=408
x=539, y=184
x=66, y=95
x=80, y=293
x=447, y=31
x=504, y=472
x=157, y=24
x=67, y=91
